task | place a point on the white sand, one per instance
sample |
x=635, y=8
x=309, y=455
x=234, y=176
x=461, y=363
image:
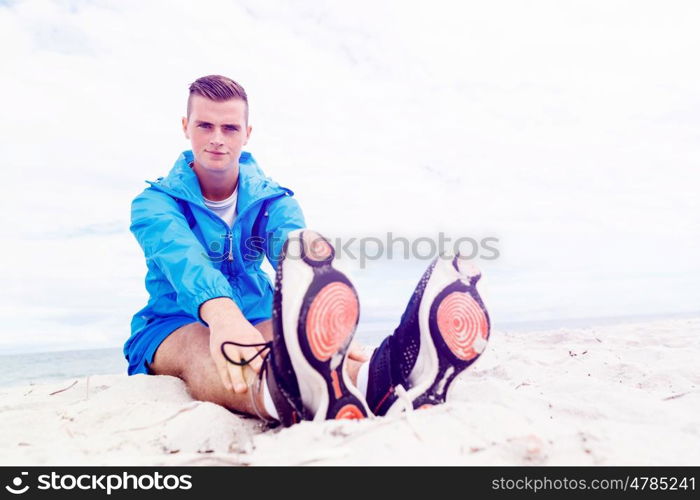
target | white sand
x=617, y=395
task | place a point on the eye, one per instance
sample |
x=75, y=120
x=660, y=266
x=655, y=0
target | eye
x=231, y=128
x=204, y=125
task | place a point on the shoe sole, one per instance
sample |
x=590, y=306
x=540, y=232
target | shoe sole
x=454, y=330
x=320, y=311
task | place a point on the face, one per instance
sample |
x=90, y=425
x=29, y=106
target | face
x=217, y=131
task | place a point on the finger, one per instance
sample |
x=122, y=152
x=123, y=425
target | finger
x=357, y=352
x=358, y=356
x=223, y=375
x=236, y=374
x=249, y=375
x=255, y=364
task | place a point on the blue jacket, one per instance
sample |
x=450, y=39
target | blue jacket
x=192, y=255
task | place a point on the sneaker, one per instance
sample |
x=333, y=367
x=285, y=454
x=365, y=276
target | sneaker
x=444, y=329
x=315, y=313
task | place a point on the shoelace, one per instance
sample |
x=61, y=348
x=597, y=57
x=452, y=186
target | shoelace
x=262, y=345
x=257, y=381
x=402, y=395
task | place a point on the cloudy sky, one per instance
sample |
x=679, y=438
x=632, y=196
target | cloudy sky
x=569, y=130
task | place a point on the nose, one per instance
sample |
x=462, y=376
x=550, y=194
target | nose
x=216, y=138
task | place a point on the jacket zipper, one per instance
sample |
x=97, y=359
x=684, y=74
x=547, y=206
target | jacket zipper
x=229, y=230
x=239, y=217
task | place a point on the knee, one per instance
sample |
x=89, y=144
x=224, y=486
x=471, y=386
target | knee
x=181, y=351
x=197, y=365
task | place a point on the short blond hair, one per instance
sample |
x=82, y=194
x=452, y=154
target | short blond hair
x=217, y=88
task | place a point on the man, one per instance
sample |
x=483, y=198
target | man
x=214, y=321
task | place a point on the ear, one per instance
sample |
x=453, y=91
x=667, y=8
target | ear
x=249, y=130
x=184, y=127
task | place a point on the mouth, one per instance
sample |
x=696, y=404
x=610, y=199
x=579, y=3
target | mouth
x=215, y=153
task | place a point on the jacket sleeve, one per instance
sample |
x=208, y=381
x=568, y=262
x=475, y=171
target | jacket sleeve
x=284, y=215
x=167, y=241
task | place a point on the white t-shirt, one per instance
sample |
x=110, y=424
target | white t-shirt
x=225, y=209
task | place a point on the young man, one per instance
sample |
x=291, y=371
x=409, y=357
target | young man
x=214, y=321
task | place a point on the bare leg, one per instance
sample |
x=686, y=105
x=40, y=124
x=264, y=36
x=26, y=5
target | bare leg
x=353, y=368
x=185, y=354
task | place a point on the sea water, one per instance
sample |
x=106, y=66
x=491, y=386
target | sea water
x=35, y=368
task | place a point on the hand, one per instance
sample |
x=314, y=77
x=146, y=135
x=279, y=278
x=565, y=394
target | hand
x=227, y=324
x=358, y=352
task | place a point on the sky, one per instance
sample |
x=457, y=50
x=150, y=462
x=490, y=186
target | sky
x=568, y=130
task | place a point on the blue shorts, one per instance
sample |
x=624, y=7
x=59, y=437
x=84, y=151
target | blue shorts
x=141, y=348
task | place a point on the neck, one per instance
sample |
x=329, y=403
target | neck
x=217, y=185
